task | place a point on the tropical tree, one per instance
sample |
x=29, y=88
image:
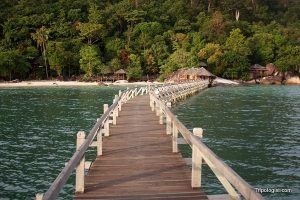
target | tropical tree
x=41, y=37
x=288, y=59
x=212, y=54
x=263, y=47
x=57, y=56
x=235, y=61
x=89, y=60
x=12, y=62
x=134, y=71
x=178, y=59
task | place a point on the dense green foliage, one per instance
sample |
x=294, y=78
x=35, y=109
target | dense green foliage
x=48, y=38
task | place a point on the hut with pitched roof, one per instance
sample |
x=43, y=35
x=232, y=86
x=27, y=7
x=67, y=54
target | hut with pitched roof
x=121, y=74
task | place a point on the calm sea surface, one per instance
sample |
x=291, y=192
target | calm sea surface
x=256, y=130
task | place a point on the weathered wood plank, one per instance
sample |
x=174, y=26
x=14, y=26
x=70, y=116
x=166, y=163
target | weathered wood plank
x=138, y=162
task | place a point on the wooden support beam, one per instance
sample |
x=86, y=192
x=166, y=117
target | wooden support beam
x=174, y=139
x=168, y=125
x=106, y=123
x=39, y=196
x=116, y=110
x=196, y=161
x=161, y=116
x=99, y=143
x=79, y=185
x=115, y=117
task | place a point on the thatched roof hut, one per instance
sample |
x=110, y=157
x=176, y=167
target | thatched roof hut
x=191, y=74
x=205, y=73
x=121, y=73
x=257, y=71
x=257, y=67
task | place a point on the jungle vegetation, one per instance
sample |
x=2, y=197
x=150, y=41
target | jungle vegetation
x=43, y=39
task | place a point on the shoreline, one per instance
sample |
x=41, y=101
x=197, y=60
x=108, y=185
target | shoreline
x=45, y=83
x=67, y=83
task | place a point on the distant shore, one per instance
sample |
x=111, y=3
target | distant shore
x=66, y=83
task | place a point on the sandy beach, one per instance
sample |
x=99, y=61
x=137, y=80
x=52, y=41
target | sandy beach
x=66, y=83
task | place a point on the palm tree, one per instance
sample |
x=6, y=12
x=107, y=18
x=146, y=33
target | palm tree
x=41, y=37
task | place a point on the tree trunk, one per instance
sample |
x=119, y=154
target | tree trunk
x=129, y=34
x=237, y=15
x=136, y=4
x=209, y=5
x=286, y=3
x=69, y=71
x=45, y=60
x=89, y=68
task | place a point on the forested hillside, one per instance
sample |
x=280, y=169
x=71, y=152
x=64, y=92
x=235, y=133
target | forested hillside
x=43, y=39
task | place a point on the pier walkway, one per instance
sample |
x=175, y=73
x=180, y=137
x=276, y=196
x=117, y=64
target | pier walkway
x=137, y=139
x=138, y=161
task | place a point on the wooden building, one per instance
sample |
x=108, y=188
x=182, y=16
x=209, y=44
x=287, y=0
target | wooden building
x=192, y=74
x=121, y=74
x=258, y=71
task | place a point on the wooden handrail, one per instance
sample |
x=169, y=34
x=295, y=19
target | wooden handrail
x=57, y=185
x=208, y=155
x=61, y=179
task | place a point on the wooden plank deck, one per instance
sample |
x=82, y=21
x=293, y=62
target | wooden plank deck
x=138, y=162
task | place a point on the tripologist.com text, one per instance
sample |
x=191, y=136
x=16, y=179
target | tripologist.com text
x=273, y=190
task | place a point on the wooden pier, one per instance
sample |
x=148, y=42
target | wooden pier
x=137, y=140
x=138, y=162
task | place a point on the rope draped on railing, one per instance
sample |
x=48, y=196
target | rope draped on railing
x=77, y=160
x=227, y=176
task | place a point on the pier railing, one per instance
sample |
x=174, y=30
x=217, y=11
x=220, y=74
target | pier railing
x=230, y=180
x=160, y=98
x=100, y=129
x=174, y=92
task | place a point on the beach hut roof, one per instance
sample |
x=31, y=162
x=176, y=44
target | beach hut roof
x=121, y=71
x=197, y=72
x=203, y=72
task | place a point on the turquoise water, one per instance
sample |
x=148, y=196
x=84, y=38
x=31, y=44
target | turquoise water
x=38, y=134
x=256, y=130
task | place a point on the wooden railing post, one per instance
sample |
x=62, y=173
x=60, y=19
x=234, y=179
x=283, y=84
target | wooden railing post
x=116, y=110
x=106, y=123
x=196, y=161
x=153, y=105
x=157, y=108
x=120, y=100
x=168, y=125
x=174, y=138
x=114, y=117
x=161, y=116
x=79, y=188
x=99, y=141
x=151, y=102
x=39, y=197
